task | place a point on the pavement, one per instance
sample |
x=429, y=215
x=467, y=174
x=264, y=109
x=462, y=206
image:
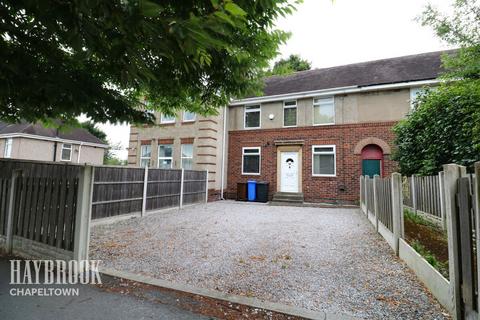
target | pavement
x=92, y=303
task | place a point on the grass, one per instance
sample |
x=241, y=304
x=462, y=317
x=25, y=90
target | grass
x=418, y=219
x=430, y=257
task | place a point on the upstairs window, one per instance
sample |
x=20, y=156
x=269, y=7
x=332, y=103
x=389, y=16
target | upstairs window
x=187, y=156
x=414, y=93
x=323, y=161
x=167, y=118
x=189, y=116
x=323, y=111
x=165, y=156
x=145, y=155
x=252, y=116
x=251, y=161
x=66, y=154
x=7, y=152
x=290, y=113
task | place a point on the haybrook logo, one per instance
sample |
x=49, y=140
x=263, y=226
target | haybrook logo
x=52, y=272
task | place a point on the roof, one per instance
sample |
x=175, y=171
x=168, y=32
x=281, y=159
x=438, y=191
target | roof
x=425, y=66
x=74, y=134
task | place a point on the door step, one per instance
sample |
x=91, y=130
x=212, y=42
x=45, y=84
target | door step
x=287, y=198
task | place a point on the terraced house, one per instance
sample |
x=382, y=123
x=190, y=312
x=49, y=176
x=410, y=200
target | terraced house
x=312, y=133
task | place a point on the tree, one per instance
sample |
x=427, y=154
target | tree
x=99, y=58
x=91, y=127
x=287, y=66
x=109, y=157
x=445, y=124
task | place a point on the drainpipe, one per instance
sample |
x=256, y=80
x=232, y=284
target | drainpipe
x=79, y=151
x=55, y=151
x=223, y=151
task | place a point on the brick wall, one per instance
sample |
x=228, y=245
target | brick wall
x=343, y=188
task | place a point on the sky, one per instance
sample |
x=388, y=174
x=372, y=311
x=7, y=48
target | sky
x=331, y=33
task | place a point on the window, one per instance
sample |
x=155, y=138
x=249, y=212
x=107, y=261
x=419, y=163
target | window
x=323, y=161
x=189, y=116
x=414, y=93
x=187, y=156
x=165, y=156
x=252, y=116
x=145, y=155
x=7, y=153
x=66, y=152
x=167, y=119
x=290, y=113
x=323, y=111
x=251, y=161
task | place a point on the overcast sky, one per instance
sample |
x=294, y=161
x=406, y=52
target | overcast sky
x=330, y=33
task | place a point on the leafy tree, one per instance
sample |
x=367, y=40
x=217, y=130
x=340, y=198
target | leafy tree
x=445, y=124
x=287, y=66
x=91, y=127
x=61, y=59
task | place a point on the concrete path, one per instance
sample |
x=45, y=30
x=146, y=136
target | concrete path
x=322, y=259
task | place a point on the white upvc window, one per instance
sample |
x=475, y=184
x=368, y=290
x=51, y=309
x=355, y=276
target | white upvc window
x=251, y=160
x=145, y=155
x=323, y=111
x=414, y=93
x=7, y=152
x=167, y=118
x=324, y=161
x=66, y=154
x=187, y=156
x=189, y=116
x=252, y=117
x=165, y=156
x=290, y=113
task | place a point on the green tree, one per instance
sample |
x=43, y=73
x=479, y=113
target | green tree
x=91, y=127
x=109, y=157
x=61, y=59
x=445, y=124
x=290, y=65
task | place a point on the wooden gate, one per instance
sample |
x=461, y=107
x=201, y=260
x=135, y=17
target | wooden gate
x=467, y=250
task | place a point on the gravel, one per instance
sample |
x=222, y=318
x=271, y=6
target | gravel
x=324, y=259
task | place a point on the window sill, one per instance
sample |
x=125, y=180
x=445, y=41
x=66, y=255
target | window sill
x=188, y=122
x=324, y=175
x=167, y=124
x=250, y=174
x=323, y=124
x=251, y=128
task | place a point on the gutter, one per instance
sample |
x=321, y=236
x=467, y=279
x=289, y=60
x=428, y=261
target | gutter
x=332, y=92
x=223, y=151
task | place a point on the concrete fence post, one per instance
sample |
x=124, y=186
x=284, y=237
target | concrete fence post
x=397, y=209
x=206, y=187
x=452, y=173
x=441, y=182
x=476, y=194
x=11, y=210
x=376, y=178
x=362, y=191
x=413, y=193
x=145, y=188
x=367, y=181
x=83, y=214
x=182, y=177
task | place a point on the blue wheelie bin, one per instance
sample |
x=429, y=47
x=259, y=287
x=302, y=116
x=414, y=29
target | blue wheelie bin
x=252, y=188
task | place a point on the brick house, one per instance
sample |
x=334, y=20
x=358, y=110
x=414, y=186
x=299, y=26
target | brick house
x=312, y=133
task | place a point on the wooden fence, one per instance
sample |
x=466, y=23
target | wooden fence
x=120, y=190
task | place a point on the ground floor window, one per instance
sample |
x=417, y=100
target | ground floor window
x=251, y=160
x=187, y=156
x=323, y=163
x=66, y=152
x=165, y=156
x=145, y=155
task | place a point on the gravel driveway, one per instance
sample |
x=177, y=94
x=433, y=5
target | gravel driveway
x=323, y=259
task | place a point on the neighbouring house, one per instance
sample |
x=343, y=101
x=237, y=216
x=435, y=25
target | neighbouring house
x=35, y=142
x=312, y=133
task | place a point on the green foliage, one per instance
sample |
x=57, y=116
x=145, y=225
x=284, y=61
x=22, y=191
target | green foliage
x=287, y=66
x=99, y=58
x=430, y=257
x=418, y=219
x=445, y=124
x=93, y=129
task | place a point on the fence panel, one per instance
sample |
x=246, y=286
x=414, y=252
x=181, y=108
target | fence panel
x=424, y=194
x=384, y=199
x=163, y=188
x=194, y=189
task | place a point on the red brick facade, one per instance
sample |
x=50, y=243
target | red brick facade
x=344, y=188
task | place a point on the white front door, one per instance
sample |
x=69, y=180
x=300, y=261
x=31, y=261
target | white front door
x=289, y=172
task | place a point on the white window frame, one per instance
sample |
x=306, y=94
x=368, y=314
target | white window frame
x=334, y=152
x=165, y=158
x=414, y=92
x=259, y=160
x=290, y=107
x=181, y=154
x=7, y=152
x=71, y=151
x=143, y=158
x=245, y=111
x=330, y=100
x=192, y=120
x=163, y=121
